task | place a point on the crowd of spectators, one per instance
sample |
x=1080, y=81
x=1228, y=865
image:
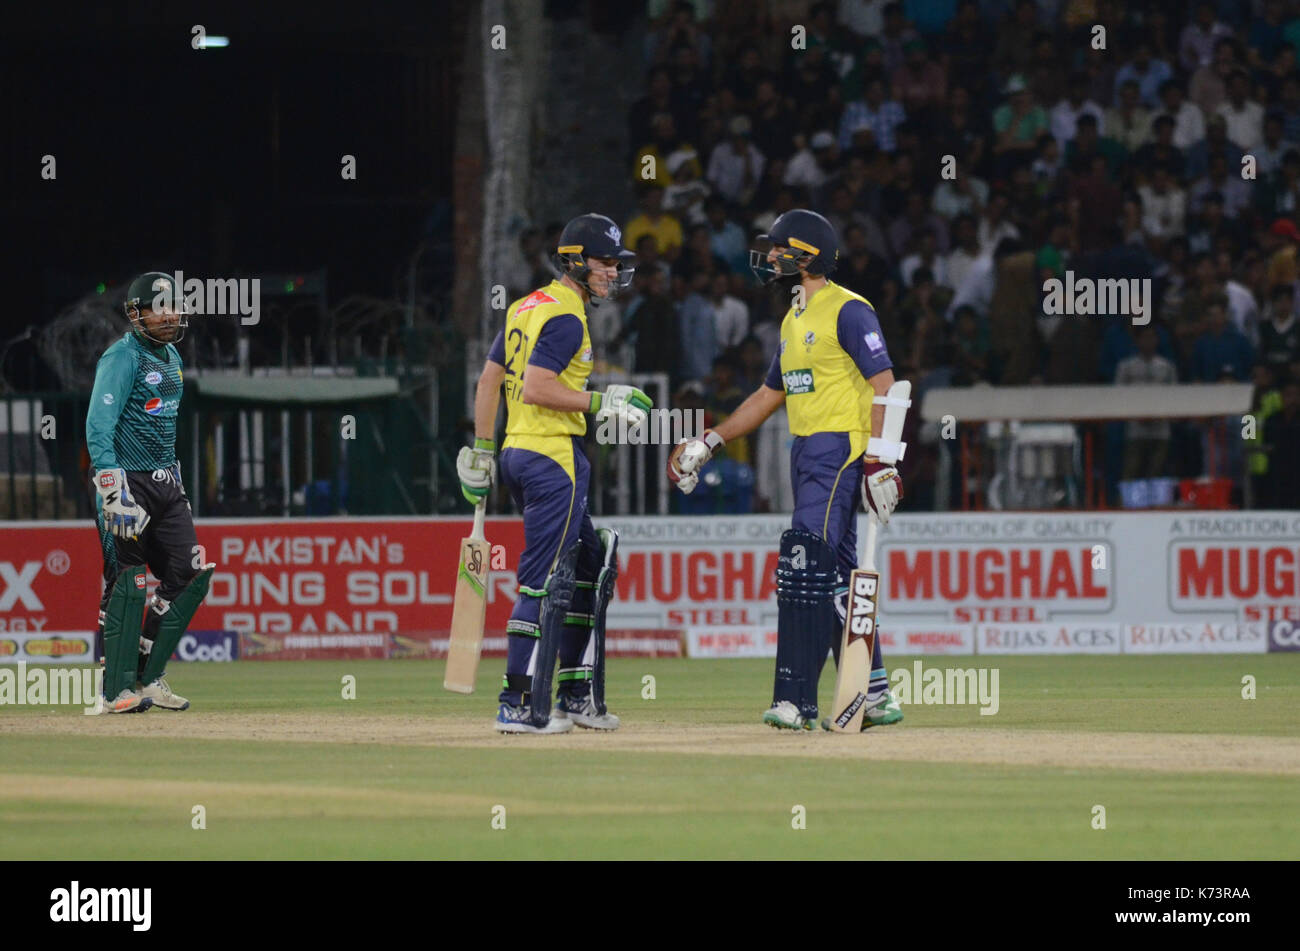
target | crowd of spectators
x=966, y=152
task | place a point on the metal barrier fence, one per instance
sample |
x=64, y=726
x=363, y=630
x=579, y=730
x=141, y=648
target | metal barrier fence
x=42, y=456
x=239, y=460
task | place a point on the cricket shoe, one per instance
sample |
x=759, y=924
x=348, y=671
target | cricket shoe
x=128, y=701
x=519, y=720
x=162, y=696
x=786, y=716
x=883, y=712
x=582, y=711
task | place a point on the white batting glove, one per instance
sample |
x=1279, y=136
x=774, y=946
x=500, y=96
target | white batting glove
x=477, y=470
x=689, y=457
x=122, y=516
x=881, y=490
x=625, y=402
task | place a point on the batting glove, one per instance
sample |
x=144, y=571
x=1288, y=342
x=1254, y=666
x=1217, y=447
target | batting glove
x=122, y=516
x=689, y=457
x=881, y=489
x=477, y=470
x=625, y=402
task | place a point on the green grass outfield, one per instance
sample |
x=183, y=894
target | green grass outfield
x=286, y=768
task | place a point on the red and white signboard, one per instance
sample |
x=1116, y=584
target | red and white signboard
x=987, y=583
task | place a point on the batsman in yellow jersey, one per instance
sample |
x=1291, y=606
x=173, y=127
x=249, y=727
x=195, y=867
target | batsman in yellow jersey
x=542, y=359
x=833, y=374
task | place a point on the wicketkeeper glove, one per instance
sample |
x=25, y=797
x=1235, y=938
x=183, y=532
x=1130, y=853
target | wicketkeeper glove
x=477, y=470
x=122, y=515
x=625, y=402
x=689, y=457
x=881, y=489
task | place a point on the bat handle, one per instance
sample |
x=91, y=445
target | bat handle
x=869, y=556
x=479, y=511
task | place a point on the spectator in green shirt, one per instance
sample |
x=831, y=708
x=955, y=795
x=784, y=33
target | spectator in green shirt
x=1018, y=122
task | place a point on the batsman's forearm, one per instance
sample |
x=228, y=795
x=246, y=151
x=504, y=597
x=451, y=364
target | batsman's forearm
x=486, y=398
x=749, y=415
x=543, y=388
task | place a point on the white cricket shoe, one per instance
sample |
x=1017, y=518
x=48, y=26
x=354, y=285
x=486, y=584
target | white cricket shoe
x=582, y=711
x=786, y=716
x=519, y=720
x=162, y=696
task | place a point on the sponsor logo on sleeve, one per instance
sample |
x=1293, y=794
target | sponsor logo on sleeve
x=108, y=399
x=874, y=342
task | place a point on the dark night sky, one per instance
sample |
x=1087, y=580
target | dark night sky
x=167, y=156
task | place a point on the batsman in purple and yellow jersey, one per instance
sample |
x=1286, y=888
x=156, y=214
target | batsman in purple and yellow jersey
x=833, y=374
x=542, y=360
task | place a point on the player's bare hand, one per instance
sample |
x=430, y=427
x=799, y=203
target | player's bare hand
x=477, y=469
x=689, y=457
x=881, y=490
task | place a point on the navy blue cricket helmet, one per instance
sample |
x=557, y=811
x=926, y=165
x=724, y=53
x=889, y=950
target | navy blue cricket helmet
x=593, y=236
x=804, y=239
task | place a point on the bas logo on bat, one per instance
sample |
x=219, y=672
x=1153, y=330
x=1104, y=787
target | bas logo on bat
x=862, y=612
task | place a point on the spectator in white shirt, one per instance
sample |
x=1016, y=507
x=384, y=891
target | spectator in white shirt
x=812, y=164
x=1164, y=205
x=963, y=195
x=1243, y=309
x=966, y=249
x=926, y=256
x=1189, y=121
x=1268, y=154
x=1196, y=44
x=1244, y=116
x=1128, y=123
x=993, y=226
x=730, y=315
x=1235, y=192
x=685, y=196
x=736, y=165
x=1146, y=441
x=864, y=17
x=1065, y=114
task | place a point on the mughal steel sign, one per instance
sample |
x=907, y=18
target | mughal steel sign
x=989, y=583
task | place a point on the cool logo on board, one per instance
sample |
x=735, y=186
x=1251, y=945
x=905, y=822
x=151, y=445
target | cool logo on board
x=190, y=648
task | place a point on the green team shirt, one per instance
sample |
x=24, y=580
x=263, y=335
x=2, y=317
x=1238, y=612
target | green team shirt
x=133, y=409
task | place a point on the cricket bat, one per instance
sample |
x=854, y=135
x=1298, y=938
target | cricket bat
x=469, y=608
x=858, y=641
